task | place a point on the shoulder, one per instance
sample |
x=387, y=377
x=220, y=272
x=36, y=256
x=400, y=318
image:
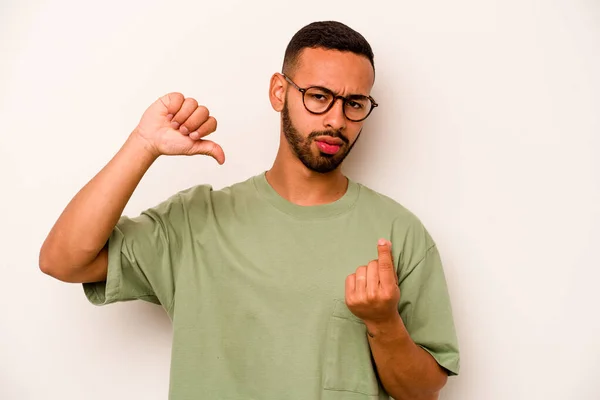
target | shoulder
x=405, y=224
x=385, y=206
x=203, y=195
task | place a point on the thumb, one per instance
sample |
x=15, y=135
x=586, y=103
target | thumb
x=209, y=148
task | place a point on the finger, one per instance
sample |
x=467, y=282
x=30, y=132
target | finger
x=372, y=279
x=209, y=148
x=205, y=129
x=350, y=285
x=361, y=281
x=187, y=109
x=170, y=103
x=393, y=263
x=199, y=116
x=387, y=272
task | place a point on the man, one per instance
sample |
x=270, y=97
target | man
x=297, y=283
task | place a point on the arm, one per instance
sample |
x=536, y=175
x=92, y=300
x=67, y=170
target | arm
x=405, y=369
x=407, y=372
x=75, y=249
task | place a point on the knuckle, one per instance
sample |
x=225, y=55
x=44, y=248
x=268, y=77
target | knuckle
x=191, y=102
x=174, y=97
x=212, y=148
x=388, y=296
x=202, y=109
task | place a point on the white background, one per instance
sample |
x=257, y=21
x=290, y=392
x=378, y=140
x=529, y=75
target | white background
x=488, y=130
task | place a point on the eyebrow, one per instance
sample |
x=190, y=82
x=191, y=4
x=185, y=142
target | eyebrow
x=351, y=95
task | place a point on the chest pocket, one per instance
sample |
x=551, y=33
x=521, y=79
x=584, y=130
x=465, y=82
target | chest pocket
x=348, y=365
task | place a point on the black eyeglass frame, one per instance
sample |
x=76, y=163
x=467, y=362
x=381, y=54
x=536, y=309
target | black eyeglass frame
x=334, y=97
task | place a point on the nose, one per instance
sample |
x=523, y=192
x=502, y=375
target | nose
x=335, y=118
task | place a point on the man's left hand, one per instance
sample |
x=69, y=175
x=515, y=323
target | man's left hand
x=372, y=292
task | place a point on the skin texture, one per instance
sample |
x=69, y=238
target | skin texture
x=75, y=249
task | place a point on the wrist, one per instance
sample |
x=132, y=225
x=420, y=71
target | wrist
x=391, y=328
x=143, y=151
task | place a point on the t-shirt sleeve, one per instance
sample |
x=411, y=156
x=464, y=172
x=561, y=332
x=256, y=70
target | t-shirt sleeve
x=141, y=256
x=424, y=303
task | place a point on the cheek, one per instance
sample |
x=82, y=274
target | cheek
x=353, y=131
x=305, y=126
x=306, y=123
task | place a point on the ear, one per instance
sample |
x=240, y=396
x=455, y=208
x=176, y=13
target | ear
x=277, y=91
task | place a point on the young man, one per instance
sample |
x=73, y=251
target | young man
x=297, y=283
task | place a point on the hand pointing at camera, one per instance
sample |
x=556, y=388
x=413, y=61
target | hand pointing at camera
x=372, y=292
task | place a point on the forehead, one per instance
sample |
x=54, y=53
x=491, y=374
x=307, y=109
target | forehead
x=341, y=71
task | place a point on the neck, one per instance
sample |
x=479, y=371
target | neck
x=299, y=185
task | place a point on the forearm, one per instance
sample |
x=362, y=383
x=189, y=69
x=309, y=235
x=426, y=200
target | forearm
x=407, y=372
x=85, y=225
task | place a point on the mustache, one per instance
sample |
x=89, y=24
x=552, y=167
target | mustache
x=333, y=133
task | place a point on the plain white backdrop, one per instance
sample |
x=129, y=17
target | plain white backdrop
x=488, y=130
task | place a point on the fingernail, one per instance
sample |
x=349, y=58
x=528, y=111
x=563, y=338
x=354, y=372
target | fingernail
x=184, y=130
x=169, y=116
x=175, y=124
x=381, y=242
x=194, y=135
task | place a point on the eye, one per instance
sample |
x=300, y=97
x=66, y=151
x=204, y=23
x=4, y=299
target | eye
x=355, y=105
x=318, y=96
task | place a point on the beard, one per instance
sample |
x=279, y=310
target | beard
x=302, y=147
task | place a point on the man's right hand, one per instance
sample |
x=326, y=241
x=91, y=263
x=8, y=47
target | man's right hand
x=175, y=125
x=76, y=247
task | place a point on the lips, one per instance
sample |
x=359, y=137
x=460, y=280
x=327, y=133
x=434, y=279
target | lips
x=327, y=148
x=329, y=140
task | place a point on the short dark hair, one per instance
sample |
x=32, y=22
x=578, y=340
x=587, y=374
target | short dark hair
x=330, y=35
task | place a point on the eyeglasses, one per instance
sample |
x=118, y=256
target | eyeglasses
x=319, y=100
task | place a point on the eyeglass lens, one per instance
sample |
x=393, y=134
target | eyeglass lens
x=318, y=100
